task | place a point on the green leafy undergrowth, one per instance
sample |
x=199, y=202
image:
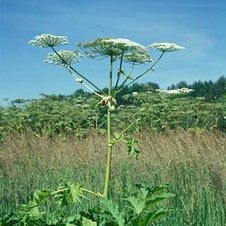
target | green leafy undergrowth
x=141, y=208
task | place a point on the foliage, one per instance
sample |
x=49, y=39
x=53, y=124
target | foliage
x=139, y=209
x=80, y=114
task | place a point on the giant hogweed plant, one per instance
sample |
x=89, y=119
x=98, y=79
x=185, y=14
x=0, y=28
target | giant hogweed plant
x=120, y=52
x=123, y=56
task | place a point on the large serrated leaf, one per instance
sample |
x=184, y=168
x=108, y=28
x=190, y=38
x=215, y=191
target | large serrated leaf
x=69, y=193
x=143, y=202
x=113, y=209
x=75, y=192
x=132, y=147
x=137, y=204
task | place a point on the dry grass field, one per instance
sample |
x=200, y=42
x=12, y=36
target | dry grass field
x=193, y=163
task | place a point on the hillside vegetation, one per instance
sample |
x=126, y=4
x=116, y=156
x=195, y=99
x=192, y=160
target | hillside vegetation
x=81, y=112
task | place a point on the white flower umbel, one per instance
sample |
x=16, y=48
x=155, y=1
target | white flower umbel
x=176, y=91
x=137, y=57
x=115, y=47
x=48, y=40
x=124, y=43
x=63, y=57
x=166, y=46
x=98, y=48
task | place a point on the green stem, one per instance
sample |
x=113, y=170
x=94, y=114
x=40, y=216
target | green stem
x=82, y=76
x=92, y=192
x=119, y=73
x=125, y=80
x=128, y=127
x=82, y=189
x=142, y=74
x=59, y=191
x=109, y=152
x=87, y=87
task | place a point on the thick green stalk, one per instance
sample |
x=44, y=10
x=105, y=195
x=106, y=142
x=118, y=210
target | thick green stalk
x=109, y=152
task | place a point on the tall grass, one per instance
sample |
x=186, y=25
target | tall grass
x=193, y=163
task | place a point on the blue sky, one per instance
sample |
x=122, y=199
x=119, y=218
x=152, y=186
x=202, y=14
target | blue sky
x=199, y=25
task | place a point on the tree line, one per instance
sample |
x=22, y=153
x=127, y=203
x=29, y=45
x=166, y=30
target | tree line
x=212, y=91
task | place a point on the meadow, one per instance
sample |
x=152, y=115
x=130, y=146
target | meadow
x=193, y=163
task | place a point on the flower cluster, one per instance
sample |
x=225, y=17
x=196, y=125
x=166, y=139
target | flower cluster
x=63, y=57
x=176, y=91
x=137, y=57
x=48, y=40
x=166, y=46
x=133, y=52
x=123, y=43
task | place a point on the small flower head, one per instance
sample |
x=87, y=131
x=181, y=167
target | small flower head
x=138, y=57
x=63, y=57
x=166, y=46
x=48, y=40
x=100, y=47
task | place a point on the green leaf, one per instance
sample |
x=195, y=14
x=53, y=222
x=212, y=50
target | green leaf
x=158, y=199
x=68, y=193
x=151, y=217
x=159, y=188
x=39, y=196
x=137, y=204
x=88, y=222
x=143, y=202
x=30, y=212
x=132, y=147
x=113, y=210
x=75, y=192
